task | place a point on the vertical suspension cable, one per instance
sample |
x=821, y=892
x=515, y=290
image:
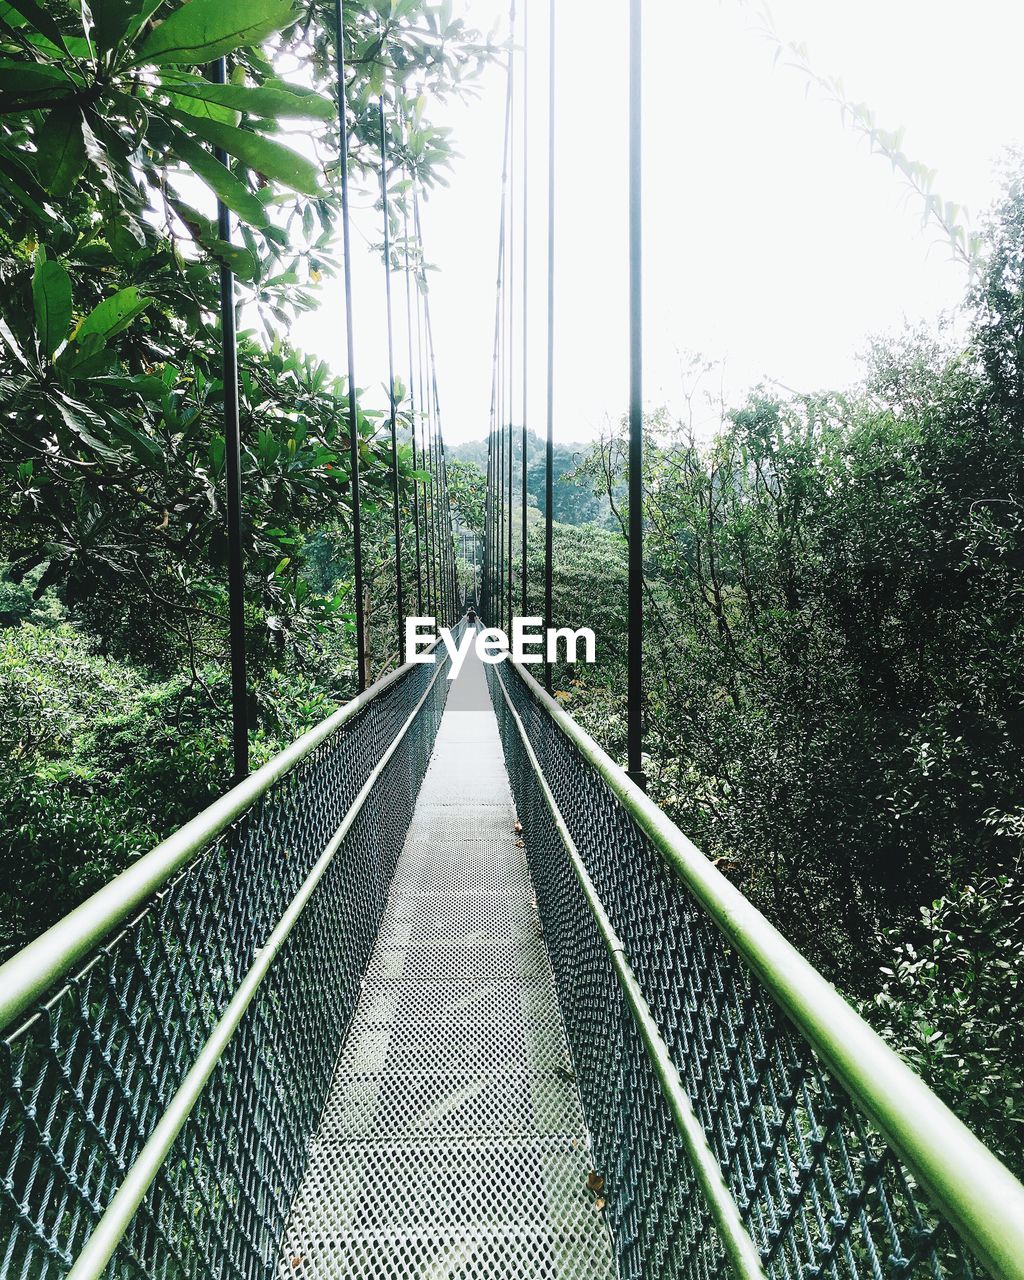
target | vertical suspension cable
x=498, y=373
x=233, y=481
x=449, y=540
x=412, y=399
x=511, y=284
x=442, y=559
x=526, y=163
x=445, y=527
x=634, y=693
x=500, y=580
x=435, y=531
x=494, y=522
x=425, y=454
x=443, y=513
x=446, y=565
x=549, y=446
x=485, y=584
x=395, y=487
x=492, y=615
x=499, y=427
x=353, y=415
x=432, y=422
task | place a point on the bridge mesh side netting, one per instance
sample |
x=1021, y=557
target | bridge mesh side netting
x=820, y=1192
x=85, y=1081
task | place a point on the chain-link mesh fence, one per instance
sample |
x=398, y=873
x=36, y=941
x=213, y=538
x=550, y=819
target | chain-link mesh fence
x=87, y=1076
x=820, y=1192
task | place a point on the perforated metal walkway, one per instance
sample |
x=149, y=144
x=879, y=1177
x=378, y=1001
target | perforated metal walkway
x=453, y=1144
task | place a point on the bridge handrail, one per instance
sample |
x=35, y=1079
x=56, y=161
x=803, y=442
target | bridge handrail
x=92, y=1261
x=31, y=972
x=739, y=1248
x=973, y=1190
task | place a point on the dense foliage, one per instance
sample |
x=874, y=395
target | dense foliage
x=113, y=692
x=834, y=669
x=835, y=673
x=572, y=503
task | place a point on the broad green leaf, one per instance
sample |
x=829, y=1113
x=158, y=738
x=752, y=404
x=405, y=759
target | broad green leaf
x=125, y=238
x=61, y=154
x=217, y=454
x=113, y=20
x=83, y=422
x=279, y=164
x=240, y=261
x=36, y=16
x=269, y=101
x=107, y=153
x=79, y=352
x=100, y=363
x=22, y=185
x=137, y=21
x=24, y=82
x=244, y=262
x=202, y=30
x=199, y=107
x=24, y=199
x=109, y=168
x=113, y=314
x=12, y=343
x=51, y=296
x=146, y=450
x=235, y=194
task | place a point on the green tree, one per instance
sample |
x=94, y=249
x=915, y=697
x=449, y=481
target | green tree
x=467, y=486
x=834, y=631
x=111, y=471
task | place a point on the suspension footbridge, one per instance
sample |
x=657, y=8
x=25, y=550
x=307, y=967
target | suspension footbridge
x=439, y=993
x=352, y=1021
x=453, y=1138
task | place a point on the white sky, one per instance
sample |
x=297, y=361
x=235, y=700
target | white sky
x=773, y=238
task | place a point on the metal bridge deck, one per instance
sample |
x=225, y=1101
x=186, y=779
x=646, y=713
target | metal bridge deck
x=453, y=1144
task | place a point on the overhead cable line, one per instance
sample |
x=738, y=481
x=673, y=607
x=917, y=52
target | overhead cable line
x=353, y=414
x=494, y=525
x=634, y=687
x=511, y=290
x=523, y=303
x=549, y=443
x=392, y=402
x=233, y=483
x=442, y=513
x=412, y=395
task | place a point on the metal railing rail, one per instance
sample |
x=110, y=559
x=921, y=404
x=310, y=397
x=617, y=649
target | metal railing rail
x=112, y=1226
x=784, y=1157
x=743, y=1257
x=157, y=978
x=33, y=971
